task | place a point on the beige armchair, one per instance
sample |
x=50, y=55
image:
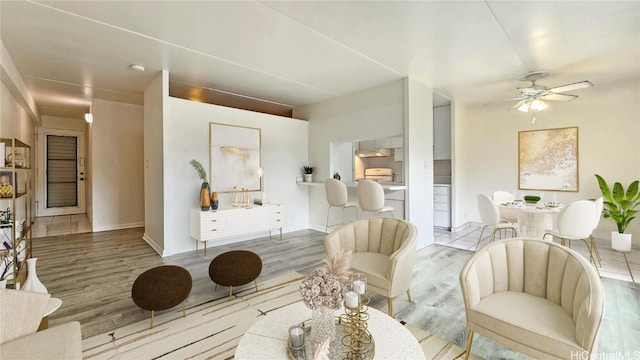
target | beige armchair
x=20, y=315
x=383, y=249
x=533, y=296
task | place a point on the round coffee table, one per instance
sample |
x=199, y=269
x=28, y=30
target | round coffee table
x=267, y=338
x=161, y=288
x=235, y=268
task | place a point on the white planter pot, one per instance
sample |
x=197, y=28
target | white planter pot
x=308, y=177
x=620, y=242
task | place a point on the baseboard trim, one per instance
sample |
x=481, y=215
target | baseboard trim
x=466, y=226
x=118, y=227
x=153, y=244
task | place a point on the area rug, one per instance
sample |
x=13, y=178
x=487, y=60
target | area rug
x=212, y=330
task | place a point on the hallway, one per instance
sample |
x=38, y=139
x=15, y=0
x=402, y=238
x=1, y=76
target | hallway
x=60, y=225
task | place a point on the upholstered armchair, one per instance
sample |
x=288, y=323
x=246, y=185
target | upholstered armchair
x=383, y=249
x=533, y=296
x=20, y=315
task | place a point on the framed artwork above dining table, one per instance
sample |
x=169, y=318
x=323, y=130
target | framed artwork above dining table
x=548, y=159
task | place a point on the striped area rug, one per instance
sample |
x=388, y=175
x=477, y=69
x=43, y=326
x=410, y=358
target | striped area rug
x=212, y=330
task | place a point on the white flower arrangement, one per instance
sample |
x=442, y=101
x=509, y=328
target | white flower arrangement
x=324, y=287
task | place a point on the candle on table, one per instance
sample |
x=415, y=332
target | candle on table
x=296, y=337
x=351, y=299
x=359, y=286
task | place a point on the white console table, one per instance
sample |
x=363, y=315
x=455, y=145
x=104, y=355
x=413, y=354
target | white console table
x=232, y=222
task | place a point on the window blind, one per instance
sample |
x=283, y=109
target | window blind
x=62, y=179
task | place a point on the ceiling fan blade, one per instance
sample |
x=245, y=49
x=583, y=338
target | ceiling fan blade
x=571, y=87
x=558, y=97
x=519, y=104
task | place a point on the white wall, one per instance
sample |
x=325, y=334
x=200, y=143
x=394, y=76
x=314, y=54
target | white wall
x=186, y=129
x=117, y=165
x=154, y=211
x=486, y=146
x=419, y=159
x=369, y=114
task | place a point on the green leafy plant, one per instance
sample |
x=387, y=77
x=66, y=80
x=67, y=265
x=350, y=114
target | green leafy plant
x=202, y=173
x=6, y=217
x=308, y=169
x=620, y=205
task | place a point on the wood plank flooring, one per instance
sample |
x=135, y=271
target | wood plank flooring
x=92, y=273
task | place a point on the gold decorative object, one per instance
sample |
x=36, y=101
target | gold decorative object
x=246, y=199
x=6, y=189
x=357, y=340
x=234, y=197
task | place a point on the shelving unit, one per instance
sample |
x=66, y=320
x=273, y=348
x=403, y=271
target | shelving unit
x=15, y=231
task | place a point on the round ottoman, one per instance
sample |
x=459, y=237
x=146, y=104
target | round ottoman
x=161, y=288
x=235, y=268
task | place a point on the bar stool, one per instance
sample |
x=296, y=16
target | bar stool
x=371, y=198
x=337, y=196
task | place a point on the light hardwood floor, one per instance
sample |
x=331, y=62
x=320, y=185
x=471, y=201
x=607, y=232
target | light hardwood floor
x=92, y=273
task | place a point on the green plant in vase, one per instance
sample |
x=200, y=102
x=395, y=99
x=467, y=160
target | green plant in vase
x=308, y=172
x=205, y=200
x=620, y=206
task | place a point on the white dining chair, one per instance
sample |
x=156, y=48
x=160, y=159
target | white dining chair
x=506, y=214
x=337, y=196
x=599, y=205
x=575, y=222
x=490, y=216
x=371, y=198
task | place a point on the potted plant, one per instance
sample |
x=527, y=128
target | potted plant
x=205, y=200
x=308, y=173
x=621, y=207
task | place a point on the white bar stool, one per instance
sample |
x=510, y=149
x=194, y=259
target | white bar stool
x=371, y=198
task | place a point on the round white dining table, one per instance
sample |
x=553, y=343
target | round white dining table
x=533, y=220
x=267, y=338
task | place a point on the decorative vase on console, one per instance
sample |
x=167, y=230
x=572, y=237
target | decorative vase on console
x=214, y=200
x=33, y=283
x=205, y=201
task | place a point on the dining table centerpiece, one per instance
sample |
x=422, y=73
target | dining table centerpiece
x=322, y=292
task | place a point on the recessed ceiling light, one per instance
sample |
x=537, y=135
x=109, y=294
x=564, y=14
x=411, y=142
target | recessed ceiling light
x=137, y=68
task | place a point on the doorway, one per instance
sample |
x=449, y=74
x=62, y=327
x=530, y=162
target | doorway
x=61, y=175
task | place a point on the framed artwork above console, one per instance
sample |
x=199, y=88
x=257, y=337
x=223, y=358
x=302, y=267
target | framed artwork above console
x=234, y=155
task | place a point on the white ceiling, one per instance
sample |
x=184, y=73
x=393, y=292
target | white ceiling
x=302, y=52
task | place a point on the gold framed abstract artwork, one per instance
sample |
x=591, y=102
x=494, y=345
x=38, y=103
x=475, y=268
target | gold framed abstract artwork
x=548, y=159
x=234, y=156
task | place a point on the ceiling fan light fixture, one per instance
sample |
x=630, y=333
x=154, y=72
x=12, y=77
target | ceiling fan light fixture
x=524, y=107
x=538, y=105
x=533, y=105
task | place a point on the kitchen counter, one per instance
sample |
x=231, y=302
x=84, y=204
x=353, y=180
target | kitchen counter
x=385, y=185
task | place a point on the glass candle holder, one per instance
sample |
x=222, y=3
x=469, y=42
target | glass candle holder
x=296, y=337
x=351, y=298
x=359, y=282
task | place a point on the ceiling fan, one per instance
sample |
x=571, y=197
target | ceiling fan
x=532, y=98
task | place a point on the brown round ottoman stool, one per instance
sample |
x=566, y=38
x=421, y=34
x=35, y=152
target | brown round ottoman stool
x=235, y=268
x=161, y=288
